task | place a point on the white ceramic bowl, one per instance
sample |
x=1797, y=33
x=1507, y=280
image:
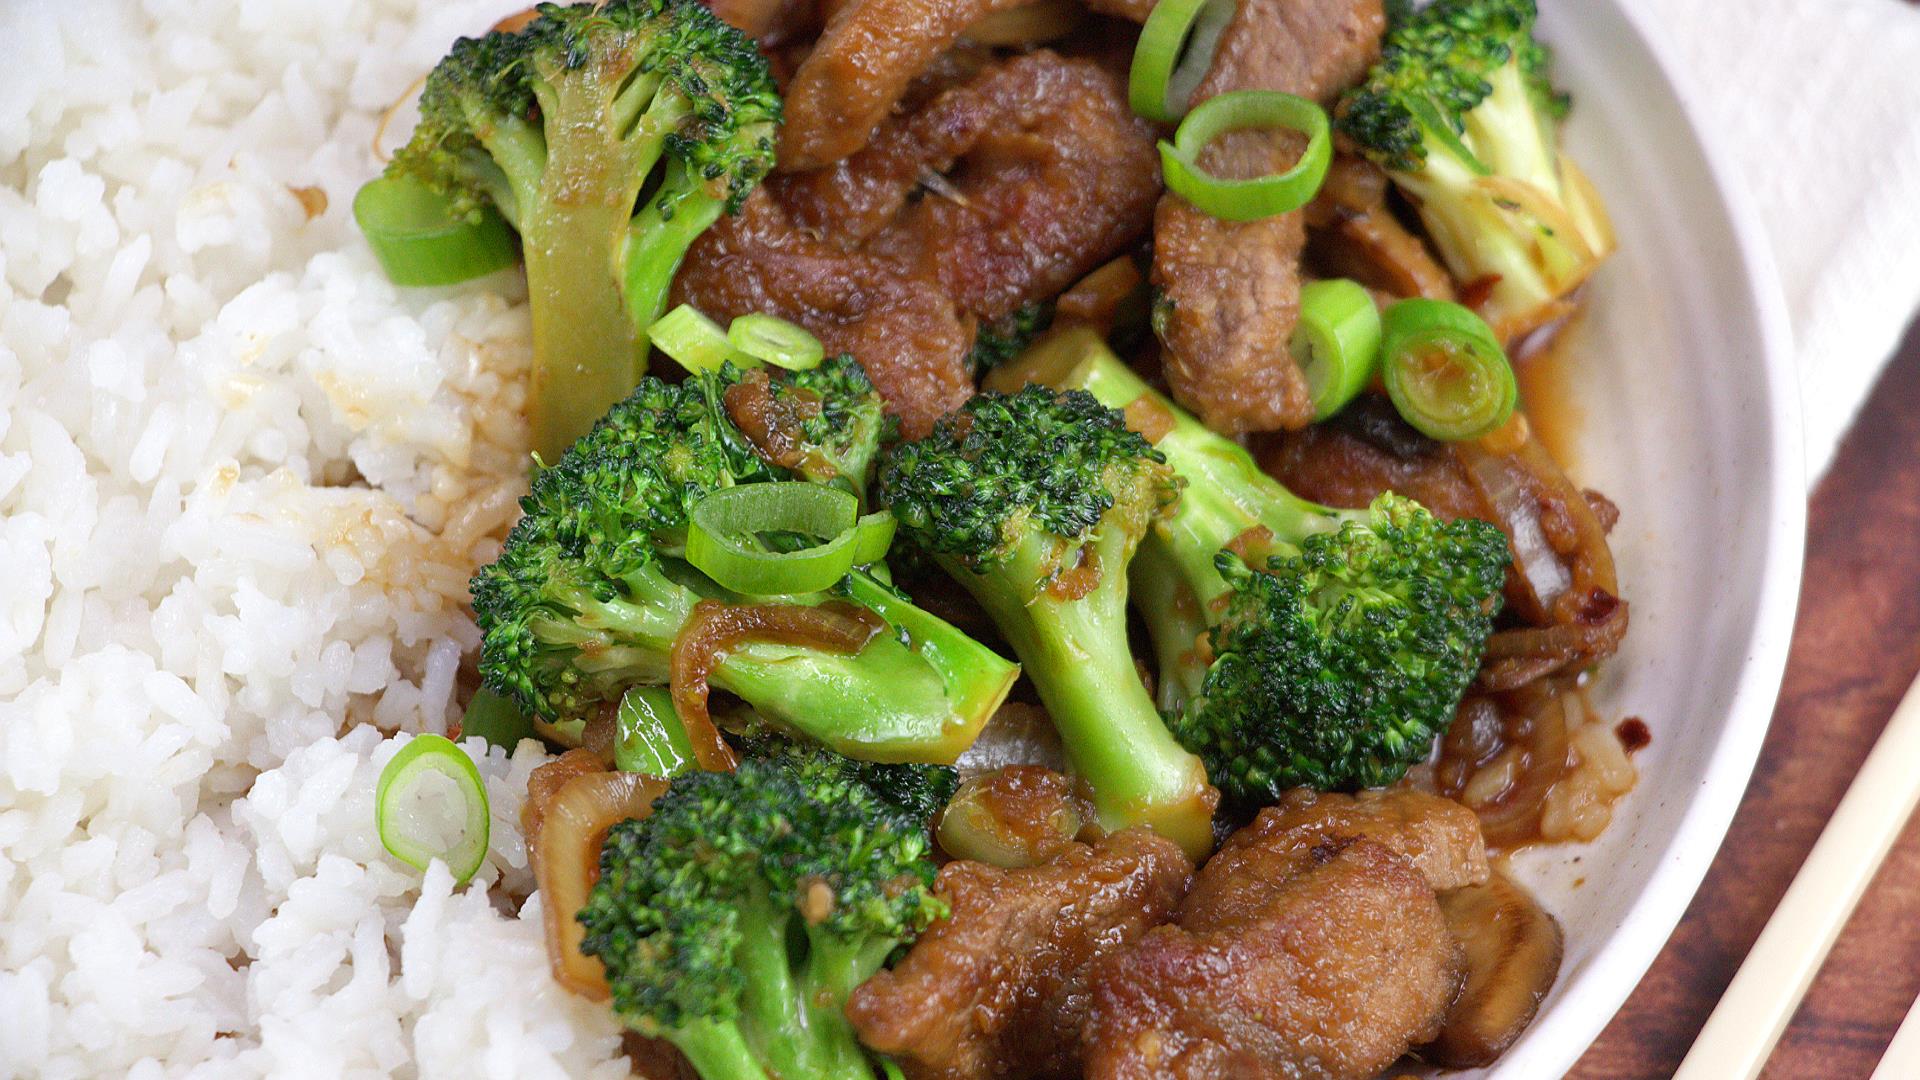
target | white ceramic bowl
x=1691, y=424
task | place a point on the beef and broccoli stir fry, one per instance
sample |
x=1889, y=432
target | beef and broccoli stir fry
x=1036, y=557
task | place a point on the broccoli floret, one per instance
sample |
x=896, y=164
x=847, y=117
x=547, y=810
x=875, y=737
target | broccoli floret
x=999, y=341
x=1339, y=661
x=1460, y=112
x=699, y=905
x=590, y=593
x=559, y=127
x=1337, y=666
x=1036, y=503
x=826, y=423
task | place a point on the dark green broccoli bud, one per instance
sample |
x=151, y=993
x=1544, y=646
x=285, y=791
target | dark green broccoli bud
x=591, y=592
x=697, y=905
x=1036, y=502
x=1461, y=112
x=997, y=342
x=918, y=791
x=1338, y=666
x=835, y=424
x=560, y=126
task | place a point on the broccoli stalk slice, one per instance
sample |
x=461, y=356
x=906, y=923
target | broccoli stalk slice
x=662, y=232
x=836, y=966
x=587, y=345
x=717, y=1050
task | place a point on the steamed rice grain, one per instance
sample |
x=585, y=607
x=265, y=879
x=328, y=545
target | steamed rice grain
x=243, y=480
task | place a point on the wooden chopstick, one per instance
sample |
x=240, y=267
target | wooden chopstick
x=1747, y=1023
x=1902, y=1059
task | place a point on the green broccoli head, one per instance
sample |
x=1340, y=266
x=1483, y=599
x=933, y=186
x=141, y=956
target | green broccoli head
x=1436, y=67
x=825, y=423
x=1461, y=112
x=560, y=127
x=1036, y=503
x=1336, y=667
x=997, y=342
x=591, y=592
x=696, y=904
x=1027, y=477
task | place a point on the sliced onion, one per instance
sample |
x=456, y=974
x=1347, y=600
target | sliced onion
x=565, y=836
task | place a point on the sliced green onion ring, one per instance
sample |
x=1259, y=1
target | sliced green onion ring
x=1336, y=342
x=722, y=538
x=1174, y=53
x=1261, y=196
x=694, y=341
x=776, y=341
x=648, y=735
x=872, y=536
x=1445, y=370
x=402, y=815
x=419, y=240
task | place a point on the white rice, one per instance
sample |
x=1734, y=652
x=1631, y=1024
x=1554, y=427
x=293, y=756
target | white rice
x=243, y=481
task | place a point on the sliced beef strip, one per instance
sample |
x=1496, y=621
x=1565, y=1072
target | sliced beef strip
x=1230, y=290
x=1043, y=173
x=864, y=61
x=1050, y=175
x=1440, y=837
x=903, y=328
x=1311, y=945
x=999, y=989
x=1344, y=963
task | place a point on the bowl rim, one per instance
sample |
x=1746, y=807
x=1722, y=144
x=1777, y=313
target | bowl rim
x=1562, y=1035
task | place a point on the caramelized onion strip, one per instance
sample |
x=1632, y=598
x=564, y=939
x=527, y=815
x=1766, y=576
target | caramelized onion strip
x=571, y=803
x=716, y=628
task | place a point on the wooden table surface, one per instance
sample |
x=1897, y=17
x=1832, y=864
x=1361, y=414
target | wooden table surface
x=1856, y=647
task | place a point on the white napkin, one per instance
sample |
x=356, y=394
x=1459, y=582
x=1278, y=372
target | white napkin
x=1816, y=105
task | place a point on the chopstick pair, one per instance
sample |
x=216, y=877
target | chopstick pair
x=1765, y=993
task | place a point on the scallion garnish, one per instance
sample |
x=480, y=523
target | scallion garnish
x=1336, y=342
x=411, y=827
x=418, y=238
x=1174, y=52
x=1445, y=370
x=776, y=341
x=1260, y=196
x=694, y=341
x=723, y=538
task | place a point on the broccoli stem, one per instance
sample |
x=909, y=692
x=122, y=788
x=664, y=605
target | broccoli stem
x=920, y=692
x=661, y=234
x=771, y=1008
x=835, y=968
x=1175, y=623
x=587, y=354
x=1077, y=654
x=717, y=1050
